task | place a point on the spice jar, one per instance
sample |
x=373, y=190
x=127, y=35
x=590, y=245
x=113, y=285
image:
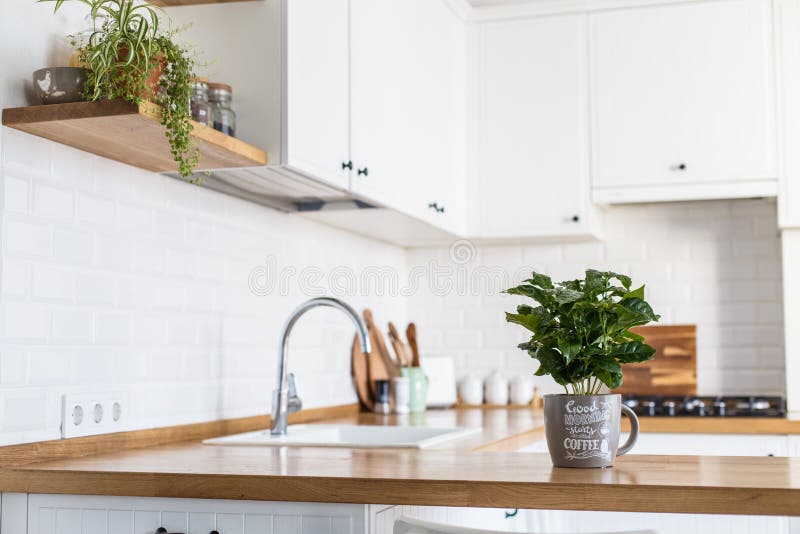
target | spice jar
x=201, y=108
x=223, y=117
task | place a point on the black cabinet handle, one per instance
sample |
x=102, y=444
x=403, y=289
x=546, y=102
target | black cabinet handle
x=348, y=165
x=436, y=207
x=679, y=167
x=161, y=530
x=576, y=218
x=364, y=171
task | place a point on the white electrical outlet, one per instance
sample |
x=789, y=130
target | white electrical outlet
x=89, y=414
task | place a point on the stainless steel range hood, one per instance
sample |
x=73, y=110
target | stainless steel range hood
x=279, y=187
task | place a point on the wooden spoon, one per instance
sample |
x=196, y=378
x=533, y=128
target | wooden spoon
x=381, y=366
x=401, y=350
x=411, y=334
x=376, y=336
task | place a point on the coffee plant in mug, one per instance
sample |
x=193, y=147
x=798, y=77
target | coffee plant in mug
x=581, y=328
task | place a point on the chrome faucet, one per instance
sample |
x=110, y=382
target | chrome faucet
x=284, y=398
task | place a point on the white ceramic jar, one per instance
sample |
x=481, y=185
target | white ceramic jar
x=520, y=390
x=470, y=389
x=495, y=389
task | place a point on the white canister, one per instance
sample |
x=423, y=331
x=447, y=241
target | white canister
x=520, y=390
x=470, y=389
x=402, y=394
x=495, y=389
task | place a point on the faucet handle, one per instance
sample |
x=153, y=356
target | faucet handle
x=294, y=401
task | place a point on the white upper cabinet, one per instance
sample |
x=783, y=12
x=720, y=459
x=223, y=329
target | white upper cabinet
x=787, y=40
x=532, y=130
x=683, y=101
x=316, y=122
x=407, y=94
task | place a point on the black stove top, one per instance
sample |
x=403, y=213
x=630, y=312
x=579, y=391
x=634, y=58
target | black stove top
x=719, y=406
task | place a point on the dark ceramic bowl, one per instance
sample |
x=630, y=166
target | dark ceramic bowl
x=59, y=85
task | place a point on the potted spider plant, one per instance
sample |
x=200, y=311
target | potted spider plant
x=581, y=337
x=131, y=54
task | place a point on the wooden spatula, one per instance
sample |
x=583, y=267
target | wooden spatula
x=411, y=334
x=379, y=347
x=401, y=350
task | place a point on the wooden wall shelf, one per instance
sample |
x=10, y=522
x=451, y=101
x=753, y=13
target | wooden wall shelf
x=128, y=133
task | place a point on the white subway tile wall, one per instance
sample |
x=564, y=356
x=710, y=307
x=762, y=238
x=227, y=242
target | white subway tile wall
x=129, y=280
x=714, y=264
x=112, y=278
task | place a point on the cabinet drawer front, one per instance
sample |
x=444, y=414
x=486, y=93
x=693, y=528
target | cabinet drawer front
x=77, y=514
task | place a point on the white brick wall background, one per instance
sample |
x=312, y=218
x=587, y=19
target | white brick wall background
x=114, y=278
x=714, y=264
x=120, y=279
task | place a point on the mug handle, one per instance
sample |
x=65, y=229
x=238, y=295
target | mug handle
x=634, y=431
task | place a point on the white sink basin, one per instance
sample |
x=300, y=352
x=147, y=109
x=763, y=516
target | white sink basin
x=349, y=436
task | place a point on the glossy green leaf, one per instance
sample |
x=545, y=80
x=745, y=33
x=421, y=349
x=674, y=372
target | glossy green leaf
x=581, y=328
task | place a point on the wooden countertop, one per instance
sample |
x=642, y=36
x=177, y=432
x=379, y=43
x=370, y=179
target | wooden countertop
x=476, y=471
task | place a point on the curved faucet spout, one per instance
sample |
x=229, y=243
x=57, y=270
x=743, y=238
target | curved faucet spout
x=284, y=398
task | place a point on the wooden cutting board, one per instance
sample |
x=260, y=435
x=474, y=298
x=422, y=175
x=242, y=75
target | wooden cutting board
x=673, y=369
x=360, y=372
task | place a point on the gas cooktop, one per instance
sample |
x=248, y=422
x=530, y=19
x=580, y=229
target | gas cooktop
x=697, y=406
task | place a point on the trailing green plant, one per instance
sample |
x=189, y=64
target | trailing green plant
x=126, y=45
x=581, y=328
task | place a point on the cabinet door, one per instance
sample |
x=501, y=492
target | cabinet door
x=683, y=94
x=317, y=93
x=73, y=514
x=407, y=98
x=532, y=176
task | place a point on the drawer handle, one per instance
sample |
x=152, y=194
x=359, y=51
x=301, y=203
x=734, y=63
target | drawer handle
x=364, y=171
x=575, y=218
x=348, y=165
x=679, y=167
x=162, y=530
x=436, y=207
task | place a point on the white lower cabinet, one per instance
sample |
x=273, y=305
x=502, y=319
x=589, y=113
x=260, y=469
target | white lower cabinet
x=498, y=519
x=77, y=514
x=557, y=521
x=677, y=444
x=542, y=521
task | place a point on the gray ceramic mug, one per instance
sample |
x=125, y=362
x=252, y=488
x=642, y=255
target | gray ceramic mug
x=583, y=430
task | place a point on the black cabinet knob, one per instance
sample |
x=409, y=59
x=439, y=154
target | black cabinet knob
x=348, y=165
x=576, y=218
x=681, y=166
x=161, y=530
x=364, y=171
x=436, y=207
